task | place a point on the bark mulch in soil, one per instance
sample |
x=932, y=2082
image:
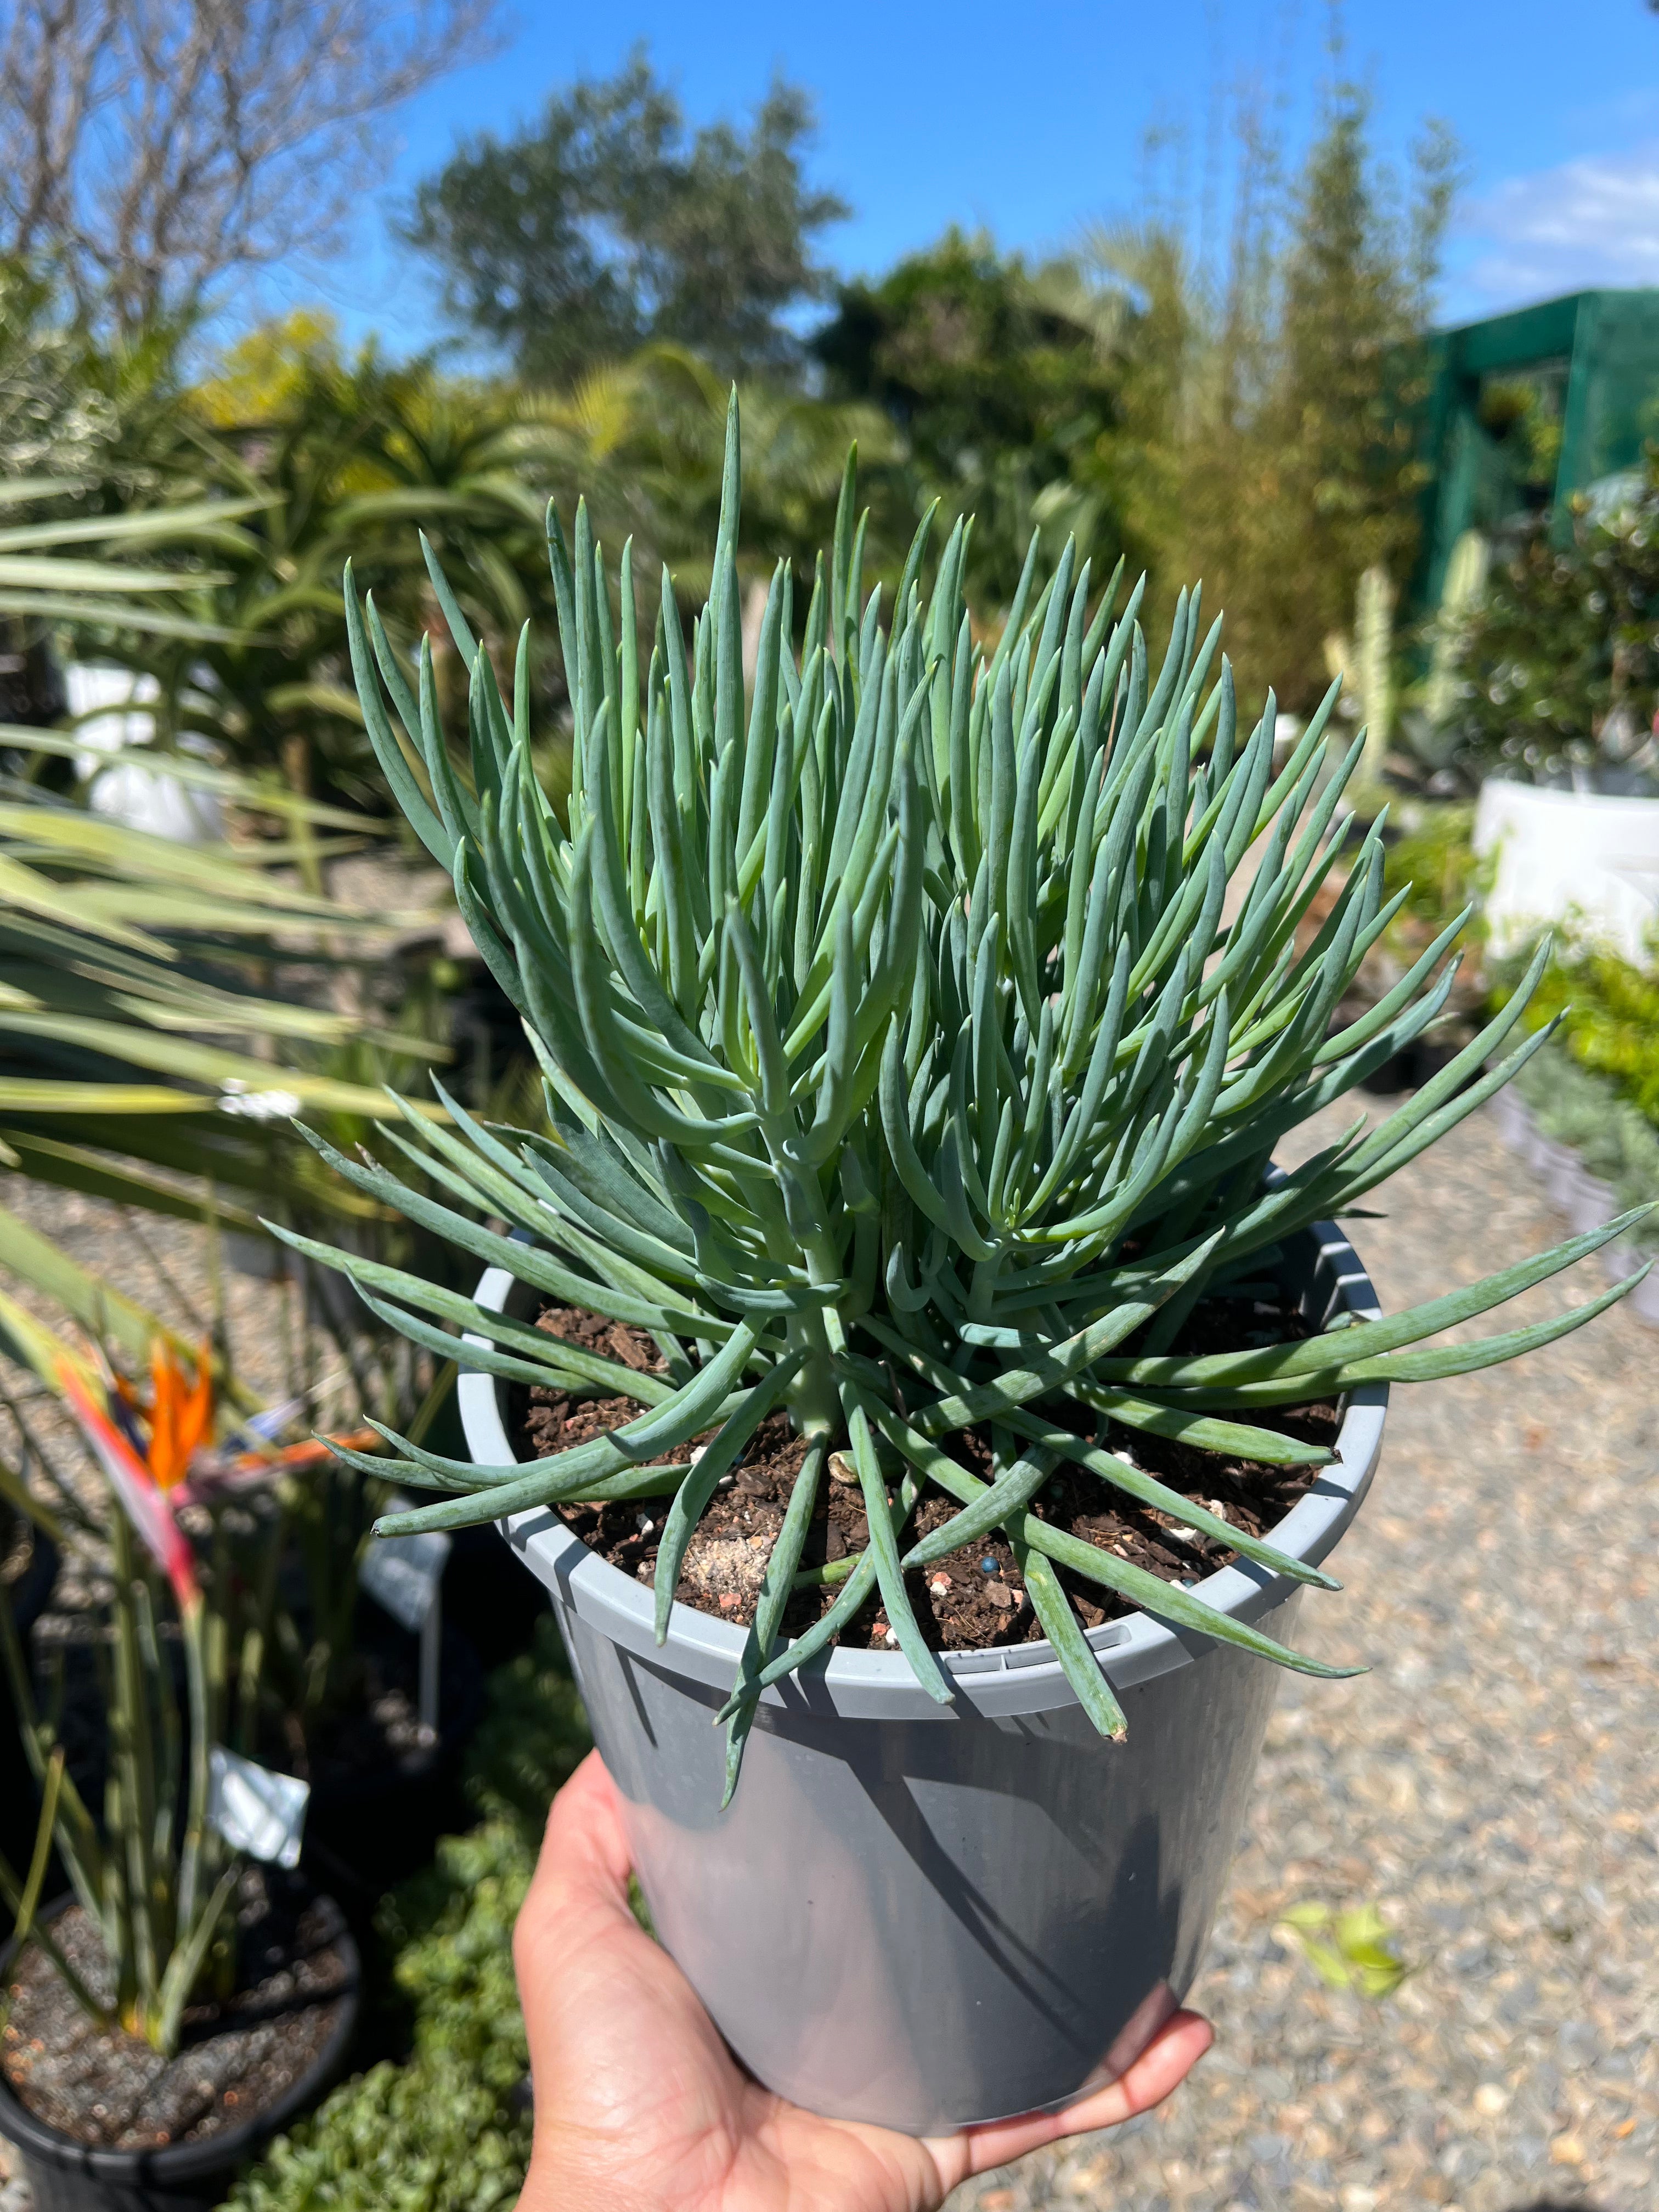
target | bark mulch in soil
x=237, y=2059
x=973, y=1597
x=554, y=1421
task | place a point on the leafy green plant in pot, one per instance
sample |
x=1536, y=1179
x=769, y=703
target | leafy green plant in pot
x=922, y=1324
x=178, y=2005
x=330, y=1683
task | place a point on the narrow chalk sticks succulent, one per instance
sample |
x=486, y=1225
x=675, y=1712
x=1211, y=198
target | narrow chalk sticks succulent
x=906, y=1057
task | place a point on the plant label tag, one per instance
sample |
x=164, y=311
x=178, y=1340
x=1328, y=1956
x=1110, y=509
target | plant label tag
x=401, y=1573
x=253, y=1810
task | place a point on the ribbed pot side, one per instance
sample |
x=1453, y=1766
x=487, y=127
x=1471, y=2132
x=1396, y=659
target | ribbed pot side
x=922, y=1915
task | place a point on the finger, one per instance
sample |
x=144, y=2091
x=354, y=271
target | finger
x=1162, y=2067
x=585, y=1855
x=576, y=1909
x=1164, y=2064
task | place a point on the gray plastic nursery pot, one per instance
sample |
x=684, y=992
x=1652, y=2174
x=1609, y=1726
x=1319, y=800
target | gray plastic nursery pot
x=1558, y=1168
x=926, y=1915
x=1583, y=1198
x=1593, y=1202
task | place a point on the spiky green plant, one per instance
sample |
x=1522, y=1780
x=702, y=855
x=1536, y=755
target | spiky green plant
x=906, y=1060
x=120, y=951
x=153, y=1879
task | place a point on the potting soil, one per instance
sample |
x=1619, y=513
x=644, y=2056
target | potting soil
x=973, y=1597
x=237, y=2059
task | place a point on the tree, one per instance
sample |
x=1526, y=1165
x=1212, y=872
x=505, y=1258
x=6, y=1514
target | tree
x=1267, y=435
x=1351, y=376
x=993, y=372
x=55, y=422
x=645, y=441
x=604, y=229
x=154, y=147
x=1554, y=667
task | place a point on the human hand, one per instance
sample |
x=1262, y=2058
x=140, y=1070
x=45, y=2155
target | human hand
x=640, y=2107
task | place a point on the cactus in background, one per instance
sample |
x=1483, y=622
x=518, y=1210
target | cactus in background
x=1374, y=649
x=1465, y=581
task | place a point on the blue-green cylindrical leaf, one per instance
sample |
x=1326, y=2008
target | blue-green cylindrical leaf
x=1071, y=1647
x=1166, y=1601
x=1204, y=1432
x=1017, y=1486
x=1148, y=1491
x=884, y=1549
x=762, y=718
x=1074, y=1356
x=775, y=1591
x=590, y=975
x=728, y=662
x=529, y=1264
x=621, y=931
x=901, y=1148
x=1102, y=1061
x=769, y=1046
x=862, y=799
x=465, y=644
x=411, y=799
x=457, y=807
x=564, y=592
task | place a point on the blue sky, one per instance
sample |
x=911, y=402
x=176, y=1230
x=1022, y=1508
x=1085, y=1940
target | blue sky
x=1031, y=121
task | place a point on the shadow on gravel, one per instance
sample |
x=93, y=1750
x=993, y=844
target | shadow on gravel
x=1557, y=2204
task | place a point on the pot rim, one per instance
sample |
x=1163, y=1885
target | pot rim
x=1509, y=791
x=186, y=2161
x=1019, y=1678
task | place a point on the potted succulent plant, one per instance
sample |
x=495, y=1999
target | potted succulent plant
x=902, y=1351
x=182, y=2001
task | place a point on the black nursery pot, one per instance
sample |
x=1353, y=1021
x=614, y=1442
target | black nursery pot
x=487, y=1596
x=20, y=1799
x=67, y=2176
x=370, y=1825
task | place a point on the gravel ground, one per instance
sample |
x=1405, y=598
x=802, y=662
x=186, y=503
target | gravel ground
x=163, y=1264
x=1492, y=1784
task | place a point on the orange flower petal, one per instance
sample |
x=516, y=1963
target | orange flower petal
x=162, y=1455
x=134, y=1488
x=195, y=1414
x=181, y=1413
